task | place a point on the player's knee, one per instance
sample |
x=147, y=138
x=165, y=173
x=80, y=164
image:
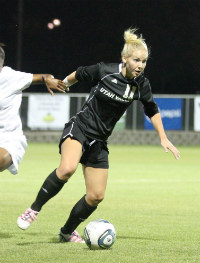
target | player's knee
x=65, y=172
x=95, y=198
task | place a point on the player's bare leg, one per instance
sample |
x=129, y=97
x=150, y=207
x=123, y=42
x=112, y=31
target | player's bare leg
x=5, y=159
x=95, y=181
x=71, y=152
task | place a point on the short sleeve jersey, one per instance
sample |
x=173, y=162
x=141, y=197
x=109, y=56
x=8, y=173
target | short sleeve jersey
x=11, y=85
x=109, y=98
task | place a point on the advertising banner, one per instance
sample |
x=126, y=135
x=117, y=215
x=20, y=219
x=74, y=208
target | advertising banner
x=48, y=112
x=197, y=114
x=171, y=113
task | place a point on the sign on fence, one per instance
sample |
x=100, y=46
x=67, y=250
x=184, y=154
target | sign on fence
x=197, y=114
x=47, y=112
x=171, y=113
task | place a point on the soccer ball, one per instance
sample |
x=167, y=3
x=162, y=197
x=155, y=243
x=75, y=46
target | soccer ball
x=99, y=234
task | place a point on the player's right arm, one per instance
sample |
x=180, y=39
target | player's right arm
x=70, y=80
x=86, y=73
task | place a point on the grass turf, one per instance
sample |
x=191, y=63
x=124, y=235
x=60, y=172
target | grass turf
x=152, y=200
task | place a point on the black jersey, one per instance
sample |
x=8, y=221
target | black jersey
x=109, y=98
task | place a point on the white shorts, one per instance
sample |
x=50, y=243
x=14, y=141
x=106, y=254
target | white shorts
x=16, y=145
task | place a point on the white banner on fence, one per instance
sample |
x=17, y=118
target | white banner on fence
x=197, y=114
x=48, y=112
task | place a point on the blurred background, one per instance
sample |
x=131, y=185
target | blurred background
x=57, y=36
x=88, y=31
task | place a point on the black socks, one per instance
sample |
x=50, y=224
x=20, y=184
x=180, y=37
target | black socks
x=51, y=186
x=81, y=211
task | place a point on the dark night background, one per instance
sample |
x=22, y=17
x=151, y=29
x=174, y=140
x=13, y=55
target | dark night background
x=92, y=31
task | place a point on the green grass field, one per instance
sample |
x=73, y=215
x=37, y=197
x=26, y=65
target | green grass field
x=152, y=200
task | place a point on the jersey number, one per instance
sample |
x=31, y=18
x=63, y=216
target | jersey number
x=129, y=92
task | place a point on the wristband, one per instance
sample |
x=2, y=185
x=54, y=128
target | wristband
x=67, y=82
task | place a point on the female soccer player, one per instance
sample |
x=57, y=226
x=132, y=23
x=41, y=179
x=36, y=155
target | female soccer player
x=84, y=138
x=12, y=141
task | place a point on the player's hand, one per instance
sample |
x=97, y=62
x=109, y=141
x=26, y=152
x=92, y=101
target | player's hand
x=167, y=145
x=55, y=84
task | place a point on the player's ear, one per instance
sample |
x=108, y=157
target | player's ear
x=124, y=59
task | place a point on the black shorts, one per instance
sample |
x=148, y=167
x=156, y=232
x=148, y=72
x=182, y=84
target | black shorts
x=95, y=153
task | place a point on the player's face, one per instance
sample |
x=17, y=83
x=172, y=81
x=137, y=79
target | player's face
x=136, y=63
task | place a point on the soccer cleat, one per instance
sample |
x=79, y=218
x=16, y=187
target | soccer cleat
x=73, y=237
x=27, y=218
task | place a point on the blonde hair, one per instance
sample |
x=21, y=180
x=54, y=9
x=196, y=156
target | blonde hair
x=132, y=41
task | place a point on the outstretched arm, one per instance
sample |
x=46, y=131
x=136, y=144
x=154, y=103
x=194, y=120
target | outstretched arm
x=167, y=145
x=90, y=74
x=70, y=80
x=50, y=82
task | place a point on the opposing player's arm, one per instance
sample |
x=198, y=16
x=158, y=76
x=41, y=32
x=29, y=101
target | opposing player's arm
x=40, y=78
x=50, y=82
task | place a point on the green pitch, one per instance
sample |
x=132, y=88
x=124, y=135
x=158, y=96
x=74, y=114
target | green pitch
x=152, y=200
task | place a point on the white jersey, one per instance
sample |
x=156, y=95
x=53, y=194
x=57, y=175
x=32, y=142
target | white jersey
x=12, y=83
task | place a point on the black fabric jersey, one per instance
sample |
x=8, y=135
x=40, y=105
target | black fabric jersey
x=109, y=98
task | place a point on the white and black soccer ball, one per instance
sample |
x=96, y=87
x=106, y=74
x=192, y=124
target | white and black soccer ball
x=99, y=234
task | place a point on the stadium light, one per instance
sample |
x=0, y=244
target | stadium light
x=50, y=26
x=54, y=23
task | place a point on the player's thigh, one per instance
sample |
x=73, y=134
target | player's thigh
x=5, y=159
x=96, y=181
x=71, y=152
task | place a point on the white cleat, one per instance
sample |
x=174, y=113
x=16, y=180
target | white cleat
x=27, y=218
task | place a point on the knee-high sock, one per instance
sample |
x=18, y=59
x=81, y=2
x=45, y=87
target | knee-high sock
x=81, y=211
x=51, y=186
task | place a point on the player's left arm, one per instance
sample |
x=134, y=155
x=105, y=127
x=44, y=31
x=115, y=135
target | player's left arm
x=50, y=82
x=167, y=145
x=151, y=110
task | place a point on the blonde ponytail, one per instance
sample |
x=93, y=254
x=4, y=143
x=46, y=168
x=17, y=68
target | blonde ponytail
x=132, y=41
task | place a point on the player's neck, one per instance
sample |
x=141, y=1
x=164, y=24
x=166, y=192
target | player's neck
x=124, y=73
